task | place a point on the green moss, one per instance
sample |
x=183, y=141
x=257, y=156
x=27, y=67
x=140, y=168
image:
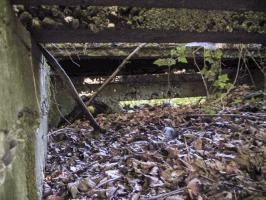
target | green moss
x=177, y=101
x=99, y=18
x=28, y=123
x=200, y=20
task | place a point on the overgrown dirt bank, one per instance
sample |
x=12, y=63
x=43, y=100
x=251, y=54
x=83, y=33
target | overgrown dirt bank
x=163, y=152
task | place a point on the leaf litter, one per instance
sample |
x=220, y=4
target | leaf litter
x=161, y=152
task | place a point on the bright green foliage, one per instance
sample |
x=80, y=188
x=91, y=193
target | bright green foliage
x=208, y=56
x=175, y=101
x=222, y=82
x=209, y=74
x=209, y=110
x=237, y=101
x=182, y=59
x=212, y=64
x=165, y=62
x=181, y=52
x=211, y=70
x=177, y=54
x=218, y=53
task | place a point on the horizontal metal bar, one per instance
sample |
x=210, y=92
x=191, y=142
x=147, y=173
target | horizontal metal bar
x=256, y=5
x=138, y=35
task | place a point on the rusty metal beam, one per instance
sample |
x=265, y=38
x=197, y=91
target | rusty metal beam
x=257, y=5
x=79, y=36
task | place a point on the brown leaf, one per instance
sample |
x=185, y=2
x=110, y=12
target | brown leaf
x=83, y=185
x=198, y=144
x=224, y=196
x=172, y=176
x=73, y=189
x=173, y=151
x=54, y=197
x=154, y=181
x=232, y=168
x=194, y=188
x=175, y=197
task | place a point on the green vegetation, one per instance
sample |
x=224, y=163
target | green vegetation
x=96, y=19
x=211, y=73
x=175, y=101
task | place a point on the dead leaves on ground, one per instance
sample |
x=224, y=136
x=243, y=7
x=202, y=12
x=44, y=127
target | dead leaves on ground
x=219, y=158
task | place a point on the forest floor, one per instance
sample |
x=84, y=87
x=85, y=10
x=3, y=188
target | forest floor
x=205, y=151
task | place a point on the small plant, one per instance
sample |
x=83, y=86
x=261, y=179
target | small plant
x=209, y=110
x=211, y=73
x=222, y=82
x=165, y=62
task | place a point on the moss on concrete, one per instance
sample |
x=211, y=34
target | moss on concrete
x=200, y=20
x=62, y=103
x=28, y=123
x=99, y=18
x=18, y=90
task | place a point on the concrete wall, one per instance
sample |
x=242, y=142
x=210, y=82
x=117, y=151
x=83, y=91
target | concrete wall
x=139, y=87
x=136, y=87
x=23, y=118
x=62, y=102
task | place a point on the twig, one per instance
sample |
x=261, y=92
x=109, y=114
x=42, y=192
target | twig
x=62, y=74
x=249, y=72
x=188, y=151
x=238, y=66
x=188, y=166
x=114, y=194
x=202, y=77
x=164, y=195
x=207, y=178
x=62, y=130
x=235, y=195
x=53, y=88
x=261, y=68
x=254, y=60
x=107, y=181
x=236, y=77
x=227, y=115
x=35, y=87
x=68, y=53
x=125, y=61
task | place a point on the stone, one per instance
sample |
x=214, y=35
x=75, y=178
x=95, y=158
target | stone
x=169, y=132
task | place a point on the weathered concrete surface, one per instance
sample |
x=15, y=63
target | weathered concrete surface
x=153, y=50
x=128, y=88
x=147, y=87
x=139, y=87
x=62, y=102
x=20, y=107
x=41, y=132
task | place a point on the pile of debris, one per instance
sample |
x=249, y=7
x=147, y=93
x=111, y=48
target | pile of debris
x=161, y=152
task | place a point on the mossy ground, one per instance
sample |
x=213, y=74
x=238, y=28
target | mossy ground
x=175, y=101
